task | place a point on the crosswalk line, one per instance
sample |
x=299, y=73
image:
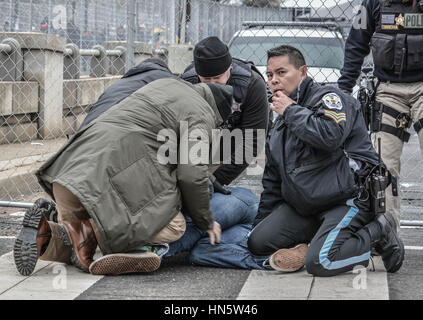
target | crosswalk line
x=360, y=284
x=9, y=276
x=273, y=285
x=413, y=247
x=49, y=281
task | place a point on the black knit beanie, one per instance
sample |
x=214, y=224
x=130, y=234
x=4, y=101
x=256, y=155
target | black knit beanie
x=211, y=57
x=223, y=95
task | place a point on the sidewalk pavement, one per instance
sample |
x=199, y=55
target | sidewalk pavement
x=57, y=281
x=18, y=162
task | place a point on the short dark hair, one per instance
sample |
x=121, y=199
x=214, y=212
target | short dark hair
x=295, y=56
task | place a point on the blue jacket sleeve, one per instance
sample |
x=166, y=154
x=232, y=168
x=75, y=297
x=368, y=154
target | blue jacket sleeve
x=271, y=195
x=357, y=46
x=325, y=128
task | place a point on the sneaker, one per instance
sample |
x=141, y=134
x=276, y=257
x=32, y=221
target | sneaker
x=121, y=263
x=158, y=248
x=390, y=246
x=289, y=260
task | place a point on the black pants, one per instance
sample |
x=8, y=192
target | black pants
x=337, y=239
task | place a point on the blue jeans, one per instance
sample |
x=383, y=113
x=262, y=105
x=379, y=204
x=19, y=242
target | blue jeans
x=231, y=252
x=235, y=213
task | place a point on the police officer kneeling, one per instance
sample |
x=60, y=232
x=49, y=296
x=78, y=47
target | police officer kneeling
x=320, y=179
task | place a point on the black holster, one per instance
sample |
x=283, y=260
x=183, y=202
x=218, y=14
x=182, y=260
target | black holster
x=364, y=99
x=375, y=111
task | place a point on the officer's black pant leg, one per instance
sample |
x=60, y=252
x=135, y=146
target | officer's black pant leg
x=283, y=228
x=341, y=243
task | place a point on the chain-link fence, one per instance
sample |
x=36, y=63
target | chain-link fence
x=58, y=56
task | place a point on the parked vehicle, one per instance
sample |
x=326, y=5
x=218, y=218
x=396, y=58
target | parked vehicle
x=322, y=45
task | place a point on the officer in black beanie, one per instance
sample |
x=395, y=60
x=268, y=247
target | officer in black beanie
x=250, y=110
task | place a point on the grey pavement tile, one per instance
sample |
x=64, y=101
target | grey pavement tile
x=6, y=245
x=407, y=283
x=412, y=237
x=176, y=279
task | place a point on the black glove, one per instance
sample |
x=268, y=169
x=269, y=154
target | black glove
x=218, y=187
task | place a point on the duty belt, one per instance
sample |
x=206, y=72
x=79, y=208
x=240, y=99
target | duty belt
x=402, y=122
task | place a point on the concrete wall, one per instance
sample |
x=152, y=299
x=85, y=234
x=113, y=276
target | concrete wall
x=19, y=106
x=38, y=102
x=78, y=96
x=18, y=100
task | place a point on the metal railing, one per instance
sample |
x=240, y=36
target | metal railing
x=92, y=52
x=6, y=48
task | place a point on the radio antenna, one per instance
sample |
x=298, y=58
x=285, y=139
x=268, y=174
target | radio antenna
x=379, y=156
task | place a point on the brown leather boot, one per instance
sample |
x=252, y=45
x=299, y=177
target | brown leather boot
x=80, y=235
x=32, y=241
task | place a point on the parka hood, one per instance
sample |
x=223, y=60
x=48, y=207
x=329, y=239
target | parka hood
x=204, y=90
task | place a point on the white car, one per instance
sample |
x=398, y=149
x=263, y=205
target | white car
x=322, y=45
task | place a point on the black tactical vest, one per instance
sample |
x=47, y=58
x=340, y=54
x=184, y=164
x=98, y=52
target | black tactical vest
x=397, y=44
x=240, y=78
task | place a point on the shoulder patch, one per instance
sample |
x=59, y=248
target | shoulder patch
x=332, y=101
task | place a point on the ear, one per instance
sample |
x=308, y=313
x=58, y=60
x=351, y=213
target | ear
x=303, y=70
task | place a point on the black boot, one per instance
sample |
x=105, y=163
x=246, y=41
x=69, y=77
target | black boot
x=390, y=246
x=32, y=241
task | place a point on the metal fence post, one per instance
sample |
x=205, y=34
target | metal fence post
x=220, y=22
x=130, y=34
x=184, y=21
x=172, y=21
x=195, y=21
x=49, y=25
x=30, y=16
x=10, y=16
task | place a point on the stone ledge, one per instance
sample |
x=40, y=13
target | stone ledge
x=85, y=91
x=36, y=41
x=139, y=47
